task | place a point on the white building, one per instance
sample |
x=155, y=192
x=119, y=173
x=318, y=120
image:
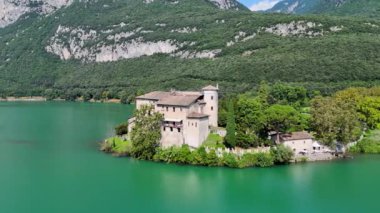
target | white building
x=188, y=115
x=299, y=142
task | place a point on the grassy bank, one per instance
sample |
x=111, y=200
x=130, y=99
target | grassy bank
x=206, y=155
x=118, y=146
x=370, y=143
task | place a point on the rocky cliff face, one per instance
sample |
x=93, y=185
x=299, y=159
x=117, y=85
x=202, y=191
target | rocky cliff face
x=225, y=4
x=12, y=10
x=308, y=6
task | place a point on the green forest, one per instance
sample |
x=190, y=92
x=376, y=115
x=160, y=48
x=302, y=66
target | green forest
x=327, y=62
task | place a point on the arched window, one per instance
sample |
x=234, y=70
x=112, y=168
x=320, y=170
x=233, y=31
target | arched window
x=212, y=108
x=212, y=97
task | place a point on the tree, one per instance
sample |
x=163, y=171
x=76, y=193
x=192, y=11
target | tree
x=122, y=129
x=249, y=114
x=286, y=94
x=263, y=92
x=335, y=120
x=281, y=118
x=230, y=138
x=146, y=132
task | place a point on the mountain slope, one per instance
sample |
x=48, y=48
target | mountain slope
x=120, y=47
x=367, y=8
x=12, y=10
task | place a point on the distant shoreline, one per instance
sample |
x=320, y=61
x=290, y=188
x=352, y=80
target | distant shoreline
x=42, y=99
x=26, y=99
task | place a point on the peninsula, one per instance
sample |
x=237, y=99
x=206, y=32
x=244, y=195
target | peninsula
x=279, y=124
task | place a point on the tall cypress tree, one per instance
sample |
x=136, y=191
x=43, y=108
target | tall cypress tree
x=230, y=138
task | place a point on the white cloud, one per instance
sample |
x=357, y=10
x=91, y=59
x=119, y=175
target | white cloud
x=264, y=5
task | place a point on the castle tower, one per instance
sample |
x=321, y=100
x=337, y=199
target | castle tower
x=210, y=94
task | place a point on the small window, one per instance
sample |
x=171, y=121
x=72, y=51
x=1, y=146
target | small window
x=173, y=109
x=164, y=129
x=188, y=123
x=167, y=109
x=171, y=129
x=212, y=108
x=180, y=109
x=192, y=124
x=212, y=97
x=196, y=124
x=179, y=130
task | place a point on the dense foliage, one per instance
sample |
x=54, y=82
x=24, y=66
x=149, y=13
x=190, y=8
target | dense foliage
x=230, y=138
x=121, y=129
x=183, y=155
x=146, y=133
x=325, y=63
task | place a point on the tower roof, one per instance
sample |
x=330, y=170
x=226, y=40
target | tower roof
x=210, y=87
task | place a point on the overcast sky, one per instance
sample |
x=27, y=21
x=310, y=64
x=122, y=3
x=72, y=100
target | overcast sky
x=256, y=5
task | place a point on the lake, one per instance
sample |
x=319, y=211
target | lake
x=49, y=162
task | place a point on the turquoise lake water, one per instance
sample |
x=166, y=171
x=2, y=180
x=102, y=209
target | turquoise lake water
x=49, y=162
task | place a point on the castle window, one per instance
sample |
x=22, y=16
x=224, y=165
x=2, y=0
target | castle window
x=212, y=108
x=179, y=130
x=188, y=123
x=167, y=109
x=195, y=124
x=212, y=97
x=171, y=129
x=173, y=109
x=180, y=109
x=164, y=129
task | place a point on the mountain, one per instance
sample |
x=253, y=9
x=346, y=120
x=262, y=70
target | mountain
x=12, y=10
x=122, y=47
x=367, y=8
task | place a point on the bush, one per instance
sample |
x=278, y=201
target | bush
x=230, y=160
x=264, y=160
x=281, y=154
x=248, y=160
x=212, y=159
x=366, y=146
x=122, y=129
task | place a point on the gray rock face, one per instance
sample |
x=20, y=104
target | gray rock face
x=224, y=4
x=12, y=10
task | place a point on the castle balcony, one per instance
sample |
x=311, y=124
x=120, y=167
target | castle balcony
x=174, y=123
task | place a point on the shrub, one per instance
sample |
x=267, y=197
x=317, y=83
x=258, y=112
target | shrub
x=230, y=160
x=248, y=160
x=122, y=129
x=264, y=160
x=281, y=154
x=212, y=159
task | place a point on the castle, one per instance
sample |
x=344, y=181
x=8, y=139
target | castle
x=188, y=115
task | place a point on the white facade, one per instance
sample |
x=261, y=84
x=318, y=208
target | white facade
x=188, y=116
x=302, y=145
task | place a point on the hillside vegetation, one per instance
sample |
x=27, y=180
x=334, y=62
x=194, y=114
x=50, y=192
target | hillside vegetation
x=122, y=47
x=364, y=8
